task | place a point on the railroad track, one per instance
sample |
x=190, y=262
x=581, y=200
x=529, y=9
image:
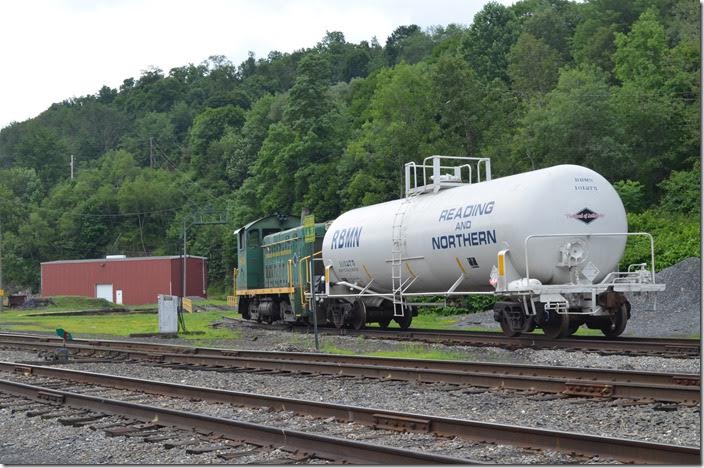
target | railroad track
x=583, y=445
x=586, y=382
x=635, y=346
x=146, y=420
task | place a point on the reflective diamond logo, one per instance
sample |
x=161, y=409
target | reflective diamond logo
x=586, y=216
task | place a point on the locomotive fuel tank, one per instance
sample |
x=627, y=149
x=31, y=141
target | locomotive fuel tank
x=444, y=233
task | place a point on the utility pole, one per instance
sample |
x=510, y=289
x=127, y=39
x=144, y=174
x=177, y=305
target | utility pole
x=199, y=218
x=71, y=167
x=151, y=152
x=183, y=267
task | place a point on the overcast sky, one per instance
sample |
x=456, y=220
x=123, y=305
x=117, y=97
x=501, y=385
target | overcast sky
x=54, y=50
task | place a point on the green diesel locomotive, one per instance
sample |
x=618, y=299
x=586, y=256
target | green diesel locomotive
x=273, y=256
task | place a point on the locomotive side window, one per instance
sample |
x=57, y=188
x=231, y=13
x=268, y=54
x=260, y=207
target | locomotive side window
x=240, y=240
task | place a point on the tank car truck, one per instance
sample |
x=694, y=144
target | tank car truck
x=546, y=243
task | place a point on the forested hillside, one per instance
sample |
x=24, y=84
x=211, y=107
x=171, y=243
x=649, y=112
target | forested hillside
x=609, y=84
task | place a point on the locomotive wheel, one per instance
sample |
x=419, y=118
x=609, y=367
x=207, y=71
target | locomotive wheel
x=358, y=315
x=617, y=324
x=405, y=321
x=572, y=330
x=243, y=308
x=557, y=327
x=384, y=323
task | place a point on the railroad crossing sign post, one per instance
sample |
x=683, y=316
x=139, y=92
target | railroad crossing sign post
x=309, y=238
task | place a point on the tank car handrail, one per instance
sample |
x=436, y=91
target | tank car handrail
x=433, y=163
x=598, y=234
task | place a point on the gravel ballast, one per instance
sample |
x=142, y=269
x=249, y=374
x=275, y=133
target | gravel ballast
x=654, y=422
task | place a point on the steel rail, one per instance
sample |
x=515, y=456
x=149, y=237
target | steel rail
x=627, y=345
x=625, y=450
x=593, y=382
x=600, y=344
x=320, y=445
x=520, y=369
x=596, y=387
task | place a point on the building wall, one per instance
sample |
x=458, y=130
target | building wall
x=196, y=273
x=141, y=281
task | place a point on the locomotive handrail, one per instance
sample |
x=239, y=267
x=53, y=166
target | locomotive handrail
x=600, y=234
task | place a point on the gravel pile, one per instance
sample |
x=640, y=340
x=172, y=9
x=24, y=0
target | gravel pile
x=678, y=307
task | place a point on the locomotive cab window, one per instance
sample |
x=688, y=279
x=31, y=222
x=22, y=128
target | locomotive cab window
x=253, y=240
x=267, y=231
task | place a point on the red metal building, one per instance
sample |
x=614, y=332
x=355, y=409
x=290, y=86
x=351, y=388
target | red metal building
x=130, y=281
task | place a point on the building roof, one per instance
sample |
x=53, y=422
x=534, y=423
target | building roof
x=127, y=259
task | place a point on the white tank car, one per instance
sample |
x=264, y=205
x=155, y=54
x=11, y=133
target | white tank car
x=463, y=228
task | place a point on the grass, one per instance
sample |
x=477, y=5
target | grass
x=67, y=303
x=412, y=351
x=116, y=324
x=425, y=320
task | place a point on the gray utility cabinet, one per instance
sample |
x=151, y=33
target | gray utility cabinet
x=168, y=313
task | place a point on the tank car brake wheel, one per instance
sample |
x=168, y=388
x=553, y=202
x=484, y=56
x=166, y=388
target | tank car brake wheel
x=358, y=315
x=557, y=327
x=617, y=324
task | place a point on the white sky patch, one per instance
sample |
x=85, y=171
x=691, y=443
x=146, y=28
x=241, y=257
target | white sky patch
x=55, y=50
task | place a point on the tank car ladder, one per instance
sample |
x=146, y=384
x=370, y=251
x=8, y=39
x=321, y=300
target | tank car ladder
x=398, y=241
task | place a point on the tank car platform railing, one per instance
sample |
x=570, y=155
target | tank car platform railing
x=634, y=281
x=435, y=182
x=588, y=235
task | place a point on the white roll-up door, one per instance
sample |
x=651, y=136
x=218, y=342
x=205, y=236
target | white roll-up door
x=104, y=291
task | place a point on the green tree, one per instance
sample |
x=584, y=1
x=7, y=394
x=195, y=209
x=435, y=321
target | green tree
x=640, y=54
x=632, y=195
x=575, y=125
x=682, y=192
x=533, y=66
x=208, y=127
x=489, y=39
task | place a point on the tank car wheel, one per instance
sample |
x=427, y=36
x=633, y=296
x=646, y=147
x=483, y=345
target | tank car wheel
x=405, y=321
x=506, y=328
x=384, y=323
x=617, y=324
x=557, y=327
x=358, y=315
x=338, y=317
